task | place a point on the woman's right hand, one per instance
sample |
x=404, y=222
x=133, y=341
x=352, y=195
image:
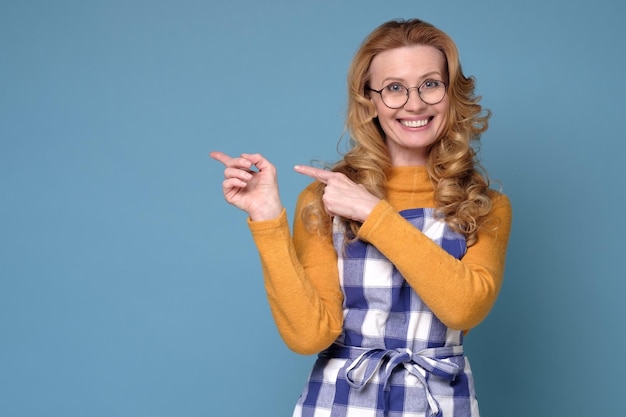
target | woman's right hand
x=253, y=191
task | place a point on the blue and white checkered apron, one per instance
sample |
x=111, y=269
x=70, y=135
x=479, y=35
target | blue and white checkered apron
x=394, y=358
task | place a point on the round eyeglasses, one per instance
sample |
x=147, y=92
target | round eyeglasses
x=396, y=95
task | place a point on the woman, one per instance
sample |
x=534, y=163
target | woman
x=398, y=250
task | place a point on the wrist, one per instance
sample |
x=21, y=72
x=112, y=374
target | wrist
x=266, y=212
x=368, y=208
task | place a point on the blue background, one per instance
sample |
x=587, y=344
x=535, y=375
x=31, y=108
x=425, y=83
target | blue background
x=130, y=288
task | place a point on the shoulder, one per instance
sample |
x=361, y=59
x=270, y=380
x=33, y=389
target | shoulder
x=310, y=193
x=501, y=209
x=499, y=199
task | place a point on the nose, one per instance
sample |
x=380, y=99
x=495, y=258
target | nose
x=414, y=101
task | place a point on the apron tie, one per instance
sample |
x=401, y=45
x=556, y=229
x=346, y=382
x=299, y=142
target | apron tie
x=367, y=362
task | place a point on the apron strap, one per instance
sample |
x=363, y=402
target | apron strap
x=367, y=362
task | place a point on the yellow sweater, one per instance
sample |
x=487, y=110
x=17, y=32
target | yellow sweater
x=302, y=277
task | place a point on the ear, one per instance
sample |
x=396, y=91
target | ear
x=369, y=96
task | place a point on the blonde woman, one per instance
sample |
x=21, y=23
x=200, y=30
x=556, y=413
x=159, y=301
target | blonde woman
x=396, y=251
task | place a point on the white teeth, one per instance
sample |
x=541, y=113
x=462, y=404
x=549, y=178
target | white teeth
x=414, y=123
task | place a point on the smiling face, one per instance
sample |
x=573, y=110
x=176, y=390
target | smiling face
x=411, y=129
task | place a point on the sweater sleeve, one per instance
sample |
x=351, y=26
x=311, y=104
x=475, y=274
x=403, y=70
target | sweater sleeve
x=301, y=281
x=459, y=292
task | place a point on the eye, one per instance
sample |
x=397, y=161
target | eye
x=396, y=88
x=432, y=84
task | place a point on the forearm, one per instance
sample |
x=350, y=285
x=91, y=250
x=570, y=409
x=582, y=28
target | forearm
x=459, y=292
x=308, y=318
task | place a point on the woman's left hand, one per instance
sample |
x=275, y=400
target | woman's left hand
x=342, y=196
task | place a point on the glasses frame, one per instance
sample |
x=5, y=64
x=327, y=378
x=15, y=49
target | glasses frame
x=408, y=93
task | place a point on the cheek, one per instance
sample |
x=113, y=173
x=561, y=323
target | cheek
x=446, y=113
x=386, y=121
x=384, y=113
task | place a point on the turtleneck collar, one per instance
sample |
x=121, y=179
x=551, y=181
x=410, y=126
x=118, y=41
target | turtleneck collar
x=409, y=187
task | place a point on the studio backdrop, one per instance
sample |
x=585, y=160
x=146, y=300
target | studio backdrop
x=130, y=288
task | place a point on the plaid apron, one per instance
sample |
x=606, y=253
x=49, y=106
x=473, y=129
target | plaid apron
x=394, y=358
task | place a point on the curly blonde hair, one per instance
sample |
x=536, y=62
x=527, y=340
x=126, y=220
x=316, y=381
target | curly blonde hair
x=461, y=185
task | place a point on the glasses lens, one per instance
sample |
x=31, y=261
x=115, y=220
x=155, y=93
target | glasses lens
x=394, y=95
x=432, y=91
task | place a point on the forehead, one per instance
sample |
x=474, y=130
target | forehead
x=407, y=63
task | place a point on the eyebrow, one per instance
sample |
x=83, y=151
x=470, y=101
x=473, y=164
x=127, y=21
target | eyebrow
x=424, y=76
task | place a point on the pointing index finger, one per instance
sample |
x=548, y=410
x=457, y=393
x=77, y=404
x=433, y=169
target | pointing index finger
x=321, y=175
x=220, y=156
